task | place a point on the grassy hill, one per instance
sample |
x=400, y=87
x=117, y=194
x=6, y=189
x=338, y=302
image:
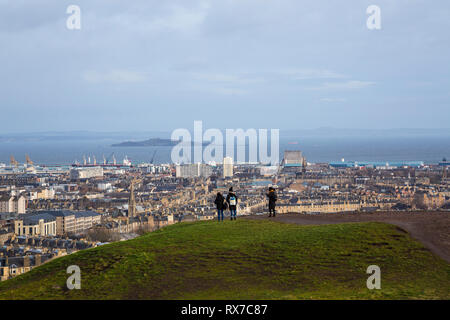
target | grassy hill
x=246, y=260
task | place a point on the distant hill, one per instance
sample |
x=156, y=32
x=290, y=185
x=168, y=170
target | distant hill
x=246, y=259
x=153, y=142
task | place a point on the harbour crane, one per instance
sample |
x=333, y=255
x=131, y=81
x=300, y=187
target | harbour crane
x=13, y=161
x=111, y=156
x=29, y=162
x=153, y=157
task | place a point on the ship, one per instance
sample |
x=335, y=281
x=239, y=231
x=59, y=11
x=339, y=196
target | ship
x=126, y=162
x=444, y=163
x=87, y=163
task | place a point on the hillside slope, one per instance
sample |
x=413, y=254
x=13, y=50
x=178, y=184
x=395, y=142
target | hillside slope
x=245, y=259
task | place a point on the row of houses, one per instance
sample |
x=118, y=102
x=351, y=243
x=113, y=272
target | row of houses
x=13, y=266
x=12, y=203
x=56, y=222
x=331, y=207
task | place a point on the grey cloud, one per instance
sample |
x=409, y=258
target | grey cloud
x=177, y=59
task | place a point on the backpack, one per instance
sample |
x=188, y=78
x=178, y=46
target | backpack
x=232, y=200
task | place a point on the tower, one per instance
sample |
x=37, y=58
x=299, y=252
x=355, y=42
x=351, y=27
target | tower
x=227, y=167
x=304, y=164
x=131, y=202
x=13, y=161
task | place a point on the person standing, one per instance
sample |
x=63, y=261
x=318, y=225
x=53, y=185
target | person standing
x=220, y=205
x=272, y=200
x=232, y=200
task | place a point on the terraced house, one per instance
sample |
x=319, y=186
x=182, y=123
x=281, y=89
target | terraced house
x=12, y=203
x=42, y=224
x=11, y=267
x=62, y=222
x=73, y=222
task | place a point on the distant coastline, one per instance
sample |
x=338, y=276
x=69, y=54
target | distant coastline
x=52, y=149
x=153, y=142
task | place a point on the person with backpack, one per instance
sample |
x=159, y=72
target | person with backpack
x=232, y=200
x=272, y=199
x=220, y=205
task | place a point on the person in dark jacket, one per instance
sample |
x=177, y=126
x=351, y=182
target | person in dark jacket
x=272, y=199
x=232, y=200
x=219, y=205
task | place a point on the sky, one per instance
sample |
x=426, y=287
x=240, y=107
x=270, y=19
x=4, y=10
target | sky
x=285, y=64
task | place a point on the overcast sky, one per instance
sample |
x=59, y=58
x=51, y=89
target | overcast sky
x=160, y=65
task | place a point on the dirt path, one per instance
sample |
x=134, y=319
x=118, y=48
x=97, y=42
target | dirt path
x=431, y=228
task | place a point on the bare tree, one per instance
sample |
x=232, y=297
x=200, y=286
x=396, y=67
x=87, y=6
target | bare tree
x=419, y=202
x=102, y=235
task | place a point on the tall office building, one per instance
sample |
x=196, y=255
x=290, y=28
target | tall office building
x=12, y=203
x=86, y=173
x=293, y=158
x=227, y=167
x=193, y=170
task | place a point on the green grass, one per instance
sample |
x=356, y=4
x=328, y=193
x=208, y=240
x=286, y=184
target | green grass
x=246, y=260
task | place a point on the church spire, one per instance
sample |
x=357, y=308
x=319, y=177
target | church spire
x=131, y=202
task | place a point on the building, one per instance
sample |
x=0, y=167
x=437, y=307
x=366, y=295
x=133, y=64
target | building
x=65, y=222
x=187, y=170
x=42, y=224
x=41, y=193
x=104, y=186
x=86, y=173
x=377, y=164
x=205, y=170
x=10, y=203
x=268, y=170
x=55, y=222
x=73, y=222
x=293, y=159
x=132, y=202
x=5, y=235
x=193, y=170
x=11, y=267
x=227, y=167
x=321, y=207
x=85, y=220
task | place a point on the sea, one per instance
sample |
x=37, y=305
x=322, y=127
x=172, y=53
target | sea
x=427, y=148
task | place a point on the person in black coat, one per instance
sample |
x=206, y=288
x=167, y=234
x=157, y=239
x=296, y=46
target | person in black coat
x=220, y=205
x=232, y=200
x=272, y=199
